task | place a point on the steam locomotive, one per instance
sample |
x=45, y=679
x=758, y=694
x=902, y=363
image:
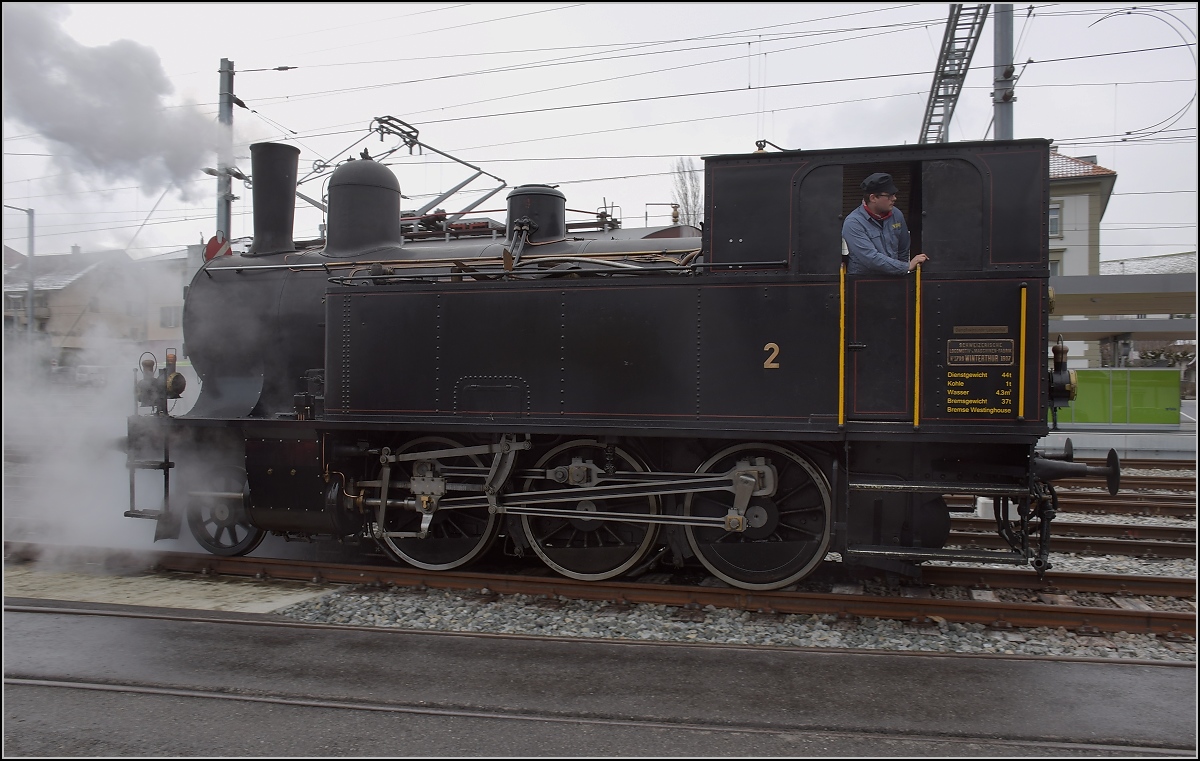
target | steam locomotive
x=613, y=398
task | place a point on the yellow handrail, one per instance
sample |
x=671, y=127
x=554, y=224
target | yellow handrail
x=917, y=356
x=842, y=346
x=1021, y=382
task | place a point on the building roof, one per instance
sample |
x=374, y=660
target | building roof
x=57, y=271
x=1151, y=265
x=55, y=281
x=165, y=256
x=13, y=257
x=1067, y=167
x=1123, y=294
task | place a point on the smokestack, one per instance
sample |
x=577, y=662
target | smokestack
x=274, y=167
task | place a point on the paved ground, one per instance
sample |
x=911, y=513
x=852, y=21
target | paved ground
x=189, y=688
x=72, y=582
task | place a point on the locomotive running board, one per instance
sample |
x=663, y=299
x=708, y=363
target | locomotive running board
x=929, y=553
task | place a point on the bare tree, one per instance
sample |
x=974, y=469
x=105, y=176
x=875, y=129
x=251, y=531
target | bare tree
x=688, y=191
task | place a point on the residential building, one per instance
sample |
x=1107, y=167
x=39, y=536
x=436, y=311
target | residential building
x=1080, y=190
x=98, y=308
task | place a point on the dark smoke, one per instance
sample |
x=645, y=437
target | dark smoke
x=103, y=109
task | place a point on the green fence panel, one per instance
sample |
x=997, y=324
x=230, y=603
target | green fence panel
x=1134, y=395
x=1154, y=396
x=1119, y=394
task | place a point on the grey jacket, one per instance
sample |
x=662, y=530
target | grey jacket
x=876, y=246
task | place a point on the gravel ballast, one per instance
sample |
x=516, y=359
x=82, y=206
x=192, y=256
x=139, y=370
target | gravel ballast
x=442, y=610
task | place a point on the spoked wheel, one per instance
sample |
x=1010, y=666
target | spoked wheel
x=585, y=548
x=456, y=537
x=788, y=532
x=217, y=517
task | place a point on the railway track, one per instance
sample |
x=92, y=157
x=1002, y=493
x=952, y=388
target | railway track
x=1132, y=482
x=1087, y=538
x=1142, y=463
x=1125, y=503
x=1044, y=604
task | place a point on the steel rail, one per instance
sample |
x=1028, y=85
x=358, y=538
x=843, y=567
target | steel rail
x=1082, y=545
x=916, y=610
x=1000, y=614
x=1082, y=496
x=1150, y=505
x=1096, y=530
x=1137, y=464
x=1177, y=483
x=1100, y=583
x=1167, y=505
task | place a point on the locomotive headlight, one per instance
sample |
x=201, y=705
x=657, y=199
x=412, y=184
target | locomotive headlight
x=176, y=383
x=1063, y=382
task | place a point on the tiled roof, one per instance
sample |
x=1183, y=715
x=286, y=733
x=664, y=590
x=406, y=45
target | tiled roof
x=55, y=281
x=1065, y=166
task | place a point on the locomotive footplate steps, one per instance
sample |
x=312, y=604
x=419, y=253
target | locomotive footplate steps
x=168, y=521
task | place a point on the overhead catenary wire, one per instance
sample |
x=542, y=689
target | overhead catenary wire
x=759, y=31
x=756, y=32
x=722, y=91
x=746, y=113
x=650, y=154
x=293, y=97
x=912, y=24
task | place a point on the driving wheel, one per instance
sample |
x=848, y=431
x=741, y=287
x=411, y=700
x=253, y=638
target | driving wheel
x=788, y=533
x=580, y=547
x=455, y=537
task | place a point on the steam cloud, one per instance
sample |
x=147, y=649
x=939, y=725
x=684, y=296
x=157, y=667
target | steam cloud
x=103, y=108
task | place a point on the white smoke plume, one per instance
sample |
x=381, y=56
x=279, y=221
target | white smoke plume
x=103, y=109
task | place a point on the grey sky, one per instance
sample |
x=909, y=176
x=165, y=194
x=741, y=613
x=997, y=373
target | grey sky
x=116, y=102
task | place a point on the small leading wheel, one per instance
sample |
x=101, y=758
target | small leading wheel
x=455, y=537
x=788, y=533
x=585, y=548
x=217, y=515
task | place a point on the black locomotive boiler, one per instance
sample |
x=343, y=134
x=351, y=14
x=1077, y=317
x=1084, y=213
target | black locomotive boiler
x=615, y=398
